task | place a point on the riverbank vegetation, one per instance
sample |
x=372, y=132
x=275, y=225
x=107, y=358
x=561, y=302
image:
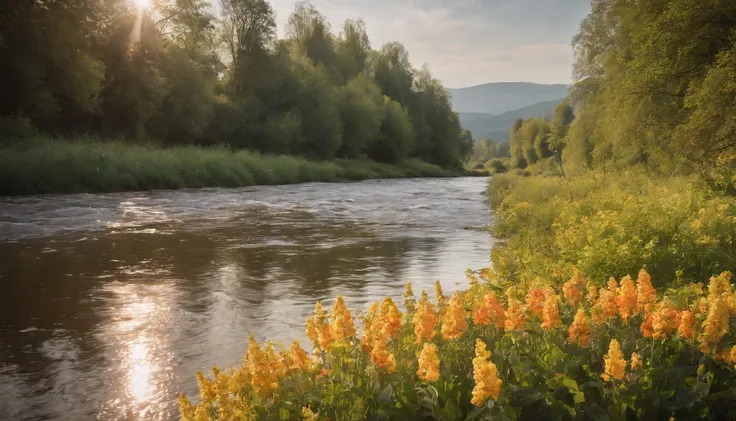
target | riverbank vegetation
x=498, y=352
x=43, y=165
x=173, y=74
x=635, y=174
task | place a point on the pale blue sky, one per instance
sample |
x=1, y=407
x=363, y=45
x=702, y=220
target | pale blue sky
x=468, y=42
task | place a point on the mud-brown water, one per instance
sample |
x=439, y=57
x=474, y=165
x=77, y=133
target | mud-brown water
x=109, y=303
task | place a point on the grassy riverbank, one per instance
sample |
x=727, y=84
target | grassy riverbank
x=45, y=165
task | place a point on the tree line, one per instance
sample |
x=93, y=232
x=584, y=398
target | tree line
x=655, y=86
x=177, y=73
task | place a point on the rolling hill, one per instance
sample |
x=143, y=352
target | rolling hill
x=498, y=126
x=497, y=98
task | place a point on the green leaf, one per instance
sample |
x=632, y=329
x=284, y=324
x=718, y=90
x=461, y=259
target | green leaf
x=579, y=397
x=284, y=414
x=570, y=383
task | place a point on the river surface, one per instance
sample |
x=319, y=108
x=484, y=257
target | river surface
x=109, y=303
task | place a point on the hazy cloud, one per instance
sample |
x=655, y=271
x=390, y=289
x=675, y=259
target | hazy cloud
x=467, y=42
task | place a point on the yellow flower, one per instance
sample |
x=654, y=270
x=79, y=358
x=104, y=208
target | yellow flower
x=343, y=326
x=439, y=296
x=186, y=408
x=429, y=363
x=592, y=292
x=646, y=295
x=277, y=364
x=719, y=285
x=715, y=325
x=535, y=301
x=665, y=320
x=319, y=329
x=455, y=321
x=485, y=374
x=515, y=318
x=489, y=311
x=307, y=414
x=409, y=301
x=614, y=362
x=425, y=320
x=687, y=322
x=636, y=362
x=627, y=298
x=382, y=358
x=579, y=331
x=298, y=359
x=573, y=288
x=263, y=378
x=550, y=312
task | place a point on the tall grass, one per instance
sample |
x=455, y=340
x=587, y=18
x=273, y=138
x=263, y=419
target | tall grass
x=608, y=224
x=46, y=165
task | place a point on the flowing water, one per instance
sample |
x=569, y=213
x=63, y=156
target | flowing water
x=109, y=303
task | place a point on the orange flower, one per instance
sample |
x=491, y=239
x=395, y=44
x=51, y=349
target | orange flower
x=425, y=320
x=319, y=329
x=382, y=358
x=551, y=312
x=605, y=307
x=489, y=311
x=263, y=378
x=615, y=362
x=573, y=288
x=636, y=361
x=715, y=325
x=613, y=285
x=277, y=363
x=485, y=374
x=371, y=327
x=665, y=320
x=429, y=363
x=687, y=322
x=535, y=301
x=390, y=318
x=627, y=298
x=647, y=329
x=646, y=295
x=515, y=318
x=343, y=326
x=455, y=321
x=298, y=359
x=579, y=331
x=719, y=286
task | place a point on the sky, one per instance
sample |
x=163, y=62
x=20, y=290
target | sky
x=467, y=42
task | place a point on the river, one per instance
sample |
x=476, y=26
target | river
x=109, y=303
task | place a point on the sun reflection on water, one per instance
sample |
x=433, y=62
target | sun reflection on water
x=139, y=374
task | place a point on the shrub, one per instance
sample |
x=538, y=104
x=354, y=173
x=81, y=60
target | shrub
x=611, y=225
x=496, y=352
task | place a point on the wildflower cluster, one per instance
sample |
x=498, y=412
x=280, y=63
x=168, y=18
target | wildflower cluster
x=583, y=351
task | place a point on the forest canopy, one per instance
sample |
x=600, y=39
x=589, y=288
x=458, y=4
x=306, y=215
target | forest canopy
x=177, y=73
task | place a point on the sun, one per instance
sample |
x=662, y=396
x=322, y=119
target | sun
x=142, y=4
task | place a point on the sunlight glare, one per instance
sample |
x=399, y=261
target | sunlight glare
x=141, y=4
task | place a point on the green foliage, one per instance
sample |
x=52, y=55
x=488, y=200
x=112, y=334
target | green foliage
x=43, y=165
x=176, y=75
x=606, y=224
x=655, y=86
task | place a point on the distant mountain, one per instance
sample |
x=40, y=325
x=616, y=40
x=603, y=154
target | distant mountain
x=496, y=98
x=498, y=126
